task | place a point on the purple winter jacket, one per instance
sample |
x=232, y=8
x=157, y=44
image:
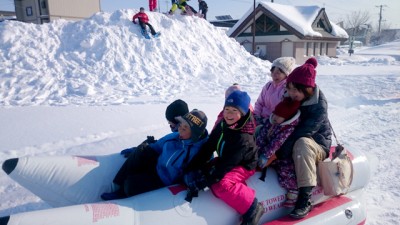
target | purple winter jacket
x=270, y=96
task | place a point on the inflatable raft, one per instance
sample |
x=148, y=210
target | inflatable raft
x=73, y=184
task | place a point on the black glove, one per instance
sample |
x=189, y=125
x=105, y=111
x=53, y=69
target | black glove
x=126, y=152
x=141, y=147
x=195, y=181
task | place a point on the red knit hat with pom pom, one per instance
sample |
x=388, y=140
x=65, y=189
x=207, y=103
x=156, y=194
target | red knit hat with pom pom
x=304, y=74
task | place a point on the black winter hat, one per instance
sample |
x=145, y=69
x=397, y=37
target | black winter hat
x=175, y=109
x=197, y=121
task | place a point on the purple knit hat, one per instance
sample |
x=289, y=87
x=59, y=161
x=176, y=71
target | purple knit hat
x=304, y=74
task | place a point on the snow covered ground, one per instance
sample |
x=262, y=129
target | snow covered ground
x=96, y=87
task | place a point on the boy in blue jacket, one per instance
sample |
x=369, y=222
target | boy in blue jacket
x=160, y=164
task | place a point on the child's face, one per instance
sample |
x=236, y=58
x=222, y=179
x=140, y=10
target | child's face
x=295, y=93
x=275, y=119
x=184, y=131
x=231, y=115
x=277, y=75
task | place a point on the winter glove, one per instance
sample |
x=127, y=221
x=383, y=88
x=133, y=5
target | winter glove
x=195, y=181
x=141, y=147
x=126, y=152
x=134, y=22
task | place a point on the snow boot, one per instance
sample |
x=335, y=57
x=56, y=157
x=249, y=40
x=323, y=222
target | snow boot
x=253, y=214
x=113, y=195
x=303, y=204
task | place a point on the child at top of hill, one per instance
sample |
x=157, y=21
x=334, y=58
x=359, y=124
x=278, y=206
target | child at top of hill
x=143, y=21
x=181, y=4
x=162, y=163
x=203, y=8
x=226, y=174
x=270, y=138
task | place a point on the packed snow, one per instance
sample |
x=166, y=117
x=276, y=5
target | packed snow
x=97, y=86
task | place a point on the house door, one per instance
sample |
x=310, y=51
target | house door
x=287, y=48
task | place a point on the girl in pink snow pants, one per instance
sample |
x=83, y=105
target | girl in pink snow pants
x=233, y=140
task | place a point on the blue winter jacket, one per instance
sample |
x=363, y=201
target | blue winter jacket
x=175, y=155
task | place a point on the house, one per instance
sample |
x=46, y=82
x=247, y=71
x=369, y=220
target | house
x=6, y=15
x=283, y=30
x=44, y=11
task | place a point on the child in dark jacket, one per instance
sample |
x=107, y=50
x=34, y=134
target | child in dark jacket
x=143, y=21
x=272, y=135
x=311, y=140
x=160, y=164
x=226, y=174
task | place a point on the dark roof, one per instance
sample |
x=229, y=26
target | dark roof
x=224, y=23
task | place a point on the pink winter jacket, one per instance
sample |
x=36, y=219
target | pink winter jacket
x=270, y=96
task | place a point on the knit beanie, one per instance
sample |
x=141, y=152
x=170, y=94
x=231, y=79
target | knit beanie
x=286, y=64
x=231, y=89
x=240, y=100
x=304, y=74
x=197, y=121
x=176, y=108
x=287, y=108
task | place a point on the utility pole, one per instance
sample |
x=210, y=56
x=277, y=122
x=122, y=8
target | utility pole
x=254, y=27
x=380, y=17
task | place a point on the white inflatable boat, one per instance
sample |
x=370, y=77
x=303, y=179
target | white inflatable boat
x=73, y=184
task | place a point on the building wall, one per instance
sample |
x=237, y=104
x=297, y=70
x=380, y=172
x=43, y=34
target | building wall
x=27, y=11
x=42, y=11
x=73, y=9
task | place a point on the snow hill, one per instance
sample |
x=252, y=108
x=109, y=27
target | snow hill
x=105, y=60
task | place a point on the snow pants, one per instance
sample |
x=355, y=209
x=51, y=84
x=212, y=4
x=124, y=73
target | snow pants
x=138, y=174
x=306, y=154
x=232, y=189
x=143, y=26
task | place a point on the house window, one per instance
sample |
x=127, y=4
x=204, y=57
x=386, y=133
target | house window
x=321, y=50
x=265, y=24
x=306, y=48
x=311, y=50
x=321, y=24
x=29, y=11
x=327, y=48
x=43, y=4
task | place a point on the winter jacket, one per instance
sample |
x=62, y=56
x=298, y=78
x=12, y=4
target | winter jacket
x=270, y=96
x=175, y=155
x=272, y=136
x=314, y=123
x=269, y=140
x=235, y=146
x=141, y=16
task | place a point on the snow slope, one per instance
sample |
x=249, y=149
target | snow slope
x=96, y=86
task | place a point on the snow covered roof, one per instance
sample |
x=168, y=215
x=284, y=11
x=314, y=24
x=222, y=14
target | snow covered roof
x=301, y=20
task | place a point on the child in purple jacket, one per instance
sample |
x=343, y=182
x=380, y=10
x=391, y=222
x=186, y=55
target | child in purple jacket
x=271, y=137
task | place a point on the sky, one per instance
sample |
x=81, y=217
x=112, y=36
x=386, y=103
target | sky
x=96, y=86
x=337, y=9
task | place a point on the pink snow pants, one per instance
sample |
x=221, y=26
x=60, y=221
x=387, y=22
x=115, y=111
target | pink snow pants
x=233, y=190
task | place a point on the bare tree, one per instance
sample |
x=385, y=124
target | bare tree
x=358, y=18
